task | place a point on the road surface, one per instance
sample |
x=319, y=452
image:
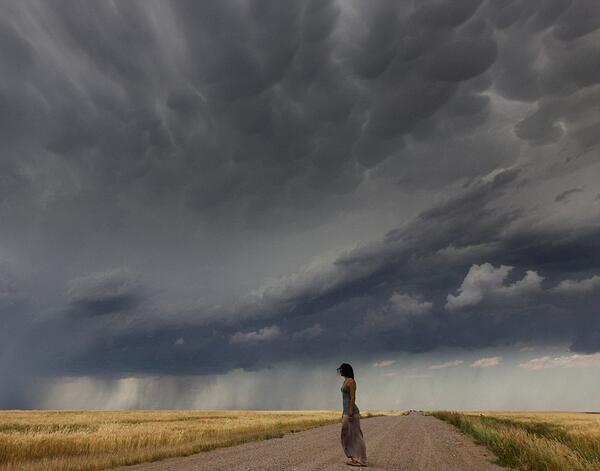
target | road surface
x=408, y=443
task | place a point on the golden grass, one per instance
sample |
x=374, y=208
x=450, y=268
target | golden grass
x=535, y=441
x=94, y=440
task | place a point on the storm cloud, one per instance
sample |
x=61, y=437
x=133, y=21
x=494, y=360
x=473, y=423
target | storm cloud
x=195, y=188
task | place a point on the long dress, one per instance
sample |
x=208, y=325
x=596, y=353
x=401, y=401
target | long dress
x=353, y=441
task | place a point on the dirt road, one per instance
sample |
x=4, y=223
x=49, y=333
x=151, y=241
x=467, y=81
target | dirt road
x=413, y=442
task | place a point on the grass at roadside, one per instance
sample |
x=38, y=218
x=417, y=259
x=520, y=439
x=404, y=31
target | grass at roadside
x=535, y=441
x=95, y=440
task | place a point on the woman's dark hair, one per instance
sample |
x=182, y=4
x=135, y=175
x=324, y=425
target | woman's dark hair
x=346, y=370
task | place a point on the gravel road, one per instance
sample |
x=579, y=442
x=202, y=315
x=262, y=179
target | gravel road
x=413, y=442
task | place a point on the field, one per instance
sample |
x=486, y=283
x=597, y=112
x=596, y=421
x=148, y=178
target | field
x=548, y=441
x=93, y=440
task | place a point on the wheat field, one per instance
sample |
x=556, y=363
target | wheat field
x=94, y=440
x=535, y=441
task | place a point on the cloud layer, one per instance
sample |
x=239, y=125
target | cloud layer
x=190, y=188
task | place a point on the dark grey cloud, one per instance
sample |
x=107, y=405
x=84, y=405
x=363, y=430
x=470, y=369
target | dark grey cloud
x=227, y=152
x=412, y=258
x=427, y=285
x=104, y=293
x=565, y=194
x=233, y=118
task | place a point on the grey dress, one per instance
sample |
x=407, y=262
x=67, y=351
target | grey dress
x=353, y=441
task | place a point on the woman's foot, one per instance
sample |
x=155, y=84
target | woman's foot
x=352, y=462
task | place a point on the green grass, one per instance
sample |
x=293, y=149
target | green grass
x=534, y=442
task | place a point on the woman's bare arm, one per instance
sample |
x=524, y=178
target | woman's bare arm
x=352, y=387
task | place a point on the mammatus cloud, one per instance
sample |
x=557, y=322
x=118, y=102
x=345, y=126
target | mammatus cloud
x=486, y=281
x=566, y=361
x=446, y=364
x=397, y=176
x=487, y=362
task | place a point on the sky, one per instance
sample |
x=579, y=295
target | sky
x=213, y=204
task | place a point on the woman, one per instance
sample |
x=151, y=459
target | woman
x=352, y=436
